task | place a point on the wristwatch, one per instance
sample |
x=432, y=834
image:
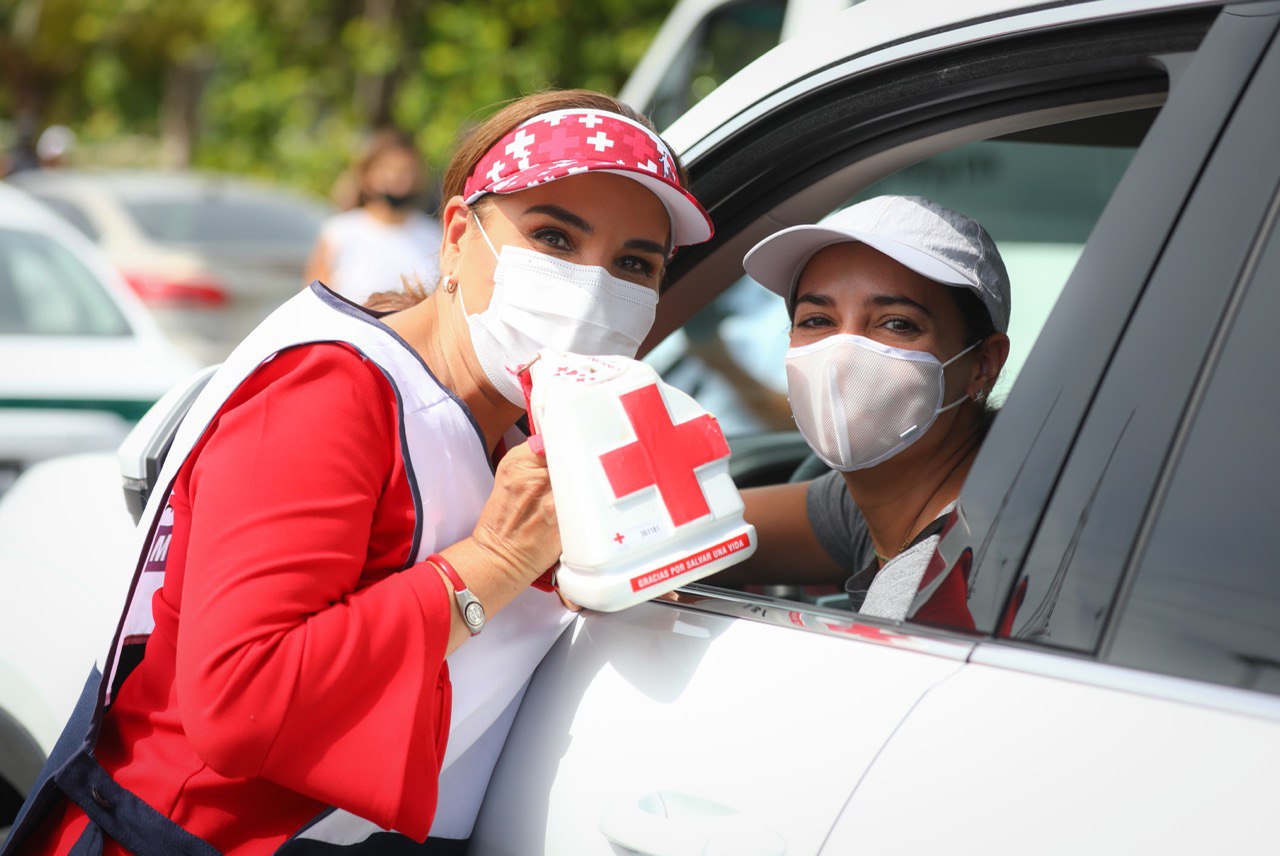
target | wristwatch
x=468, y=604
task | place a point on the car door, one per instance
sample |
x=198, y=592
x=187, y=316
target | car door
x=1130, y=702
x=728, y=720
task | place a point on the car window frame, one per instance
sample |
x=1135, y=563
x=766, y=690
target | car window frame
x=953, y=103
x=1105, y=486
x=1255, y=124
x=1007, y=494
x=848, y=120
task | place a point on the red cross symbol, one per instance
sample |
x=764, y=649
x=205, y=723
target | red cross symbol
x=868, y=631
x=636, y=142
x=562, y=142
x=664, y=454
x=619, y=537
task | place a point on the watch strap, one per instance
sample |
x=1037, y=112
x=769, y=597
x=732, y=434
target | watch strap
x=448, y=570
x=468, y=604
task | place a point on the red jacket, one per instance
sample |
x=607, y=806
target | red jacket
x=291, y=667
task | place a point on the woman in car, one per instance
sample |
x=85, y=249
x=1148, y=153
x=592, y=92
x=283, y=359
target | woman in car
x=337, y=516
x=899, y=309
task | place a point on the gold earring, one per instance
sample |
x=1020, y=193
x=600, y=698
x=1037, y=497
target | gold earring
x=450, y=285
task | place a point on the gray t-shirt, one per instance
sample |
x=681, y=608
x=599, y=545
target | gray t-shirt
x=842, y=532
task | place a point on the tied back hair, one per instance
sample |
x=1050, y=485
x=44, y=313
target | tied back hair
x=977, y=327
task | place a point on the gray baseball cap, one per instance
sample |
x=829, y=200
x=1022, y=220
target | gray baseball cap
x=936, y=242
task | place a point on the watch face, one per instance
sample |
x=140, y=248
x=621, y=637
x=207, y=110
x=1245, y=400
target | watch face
x=474, y=614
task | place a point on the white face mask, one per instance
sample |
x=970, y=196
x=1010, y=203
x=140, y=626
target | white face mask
x=858, y=402
x=543, y=302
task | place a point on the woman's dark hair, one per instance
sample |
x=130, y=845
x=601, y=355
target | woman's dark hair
x=977, y=327
x=977, y=320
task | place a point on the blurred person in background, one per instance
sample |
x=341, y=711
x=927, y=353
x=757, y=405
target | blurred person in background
x=55, y=146
x=49, y=151
x=385, y=240
x=21, y=155
x=340, y=500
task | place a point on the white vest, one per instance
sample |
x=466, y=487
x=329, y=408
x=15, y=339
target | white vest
x=450, y=479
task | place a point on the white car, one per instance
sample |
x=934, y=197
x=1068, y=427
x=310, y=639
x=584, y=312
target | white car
x=65, y=569
x=1117, y=692
x=1116, y=689
x=82, y=359
x=702, y=43
x=210, y=255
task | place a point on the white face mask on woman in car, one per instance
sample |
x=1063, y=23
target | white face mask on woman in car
x=858, y=402
x=540, y=302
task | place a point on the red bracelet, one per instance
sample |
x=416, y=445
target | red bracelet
x=448, y=570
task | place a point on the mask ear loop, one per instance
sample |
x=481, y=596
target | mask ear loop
x=475, y=215
x=961, y=399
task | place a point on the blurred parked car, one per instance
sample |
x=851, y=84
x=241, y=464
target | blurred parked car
x=210, y=255
x=1119, y=691
x=80, y=359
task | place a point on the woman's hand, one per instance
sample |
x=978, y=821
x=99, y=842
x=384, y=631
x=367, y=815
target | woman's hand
x=518, y=525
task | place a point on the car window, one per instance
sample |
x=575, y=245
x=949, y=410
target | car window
x=73, y=214
x=1038, y=198
x=1039, y=201
x=1205, y=602
x=725, y=42
x=729, y=356
x=215, y=219
x=46, y=291
x=1039, y=192
x=1148, y=305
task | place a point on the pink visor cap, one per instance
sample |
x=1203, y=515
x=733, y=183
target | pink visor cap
x=568, y=142
x=936, y=242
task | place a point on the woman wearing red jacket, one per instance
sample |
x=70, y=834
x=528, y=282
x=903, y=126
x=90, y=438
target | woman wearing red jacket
x=330, y=526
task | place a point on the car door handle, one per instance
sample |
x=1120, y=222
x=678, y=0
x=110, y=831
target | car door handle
x=669, y=823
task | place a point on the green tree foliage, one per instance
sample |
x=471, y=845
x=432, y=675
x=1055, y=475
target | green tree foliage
x=286, y=89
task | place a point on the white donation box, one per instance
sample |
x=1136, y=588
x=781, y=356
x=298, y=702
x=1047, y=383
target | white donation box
x=641, y=479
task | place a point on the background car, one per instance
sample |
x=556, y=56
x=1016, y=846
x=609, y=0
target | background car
x=82, y=359
x=210, y=255
x=82, y=362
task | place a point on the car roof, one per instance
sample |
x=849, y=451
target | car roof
x=145, y=183
x=18, y=210
x=878, y=32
